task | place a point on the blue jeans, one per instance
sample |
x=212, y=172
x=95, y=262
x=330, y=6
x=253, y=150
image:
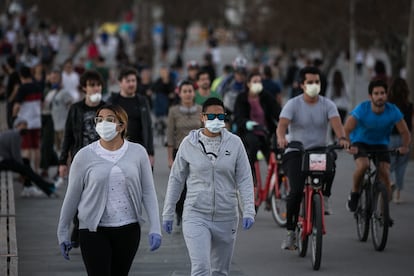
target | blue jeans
x=398, y=163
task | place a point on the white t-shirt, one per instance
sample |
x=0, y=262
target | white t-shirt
x=119, y=208
x=70, y=82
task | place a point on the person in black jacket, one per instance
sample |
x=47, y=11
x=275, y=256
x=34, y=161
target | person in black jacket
x=254, y=108
x=80, y=127
x=137, y=108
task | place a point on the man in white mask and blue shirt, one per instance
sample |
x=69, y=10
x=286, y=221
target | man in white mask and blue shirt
x=214, y=164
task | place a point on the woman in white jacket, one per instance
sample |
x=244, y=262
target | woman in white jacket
x=214, y=164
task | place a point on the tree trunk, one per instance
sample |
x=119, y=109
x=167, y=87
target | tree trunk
x=410, y=53
x=144, y=50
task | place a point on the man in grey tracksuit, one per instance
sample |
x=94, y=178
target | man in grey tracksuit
x=214, y=164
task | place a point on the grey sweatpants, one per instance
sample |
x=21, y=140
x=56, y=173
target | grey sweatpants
x=210, y=245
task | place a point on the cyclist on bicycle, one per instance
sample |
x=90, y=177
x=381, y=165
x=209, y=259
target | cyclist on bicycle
x=369, y=127
x=307, y=116
x=256, y=107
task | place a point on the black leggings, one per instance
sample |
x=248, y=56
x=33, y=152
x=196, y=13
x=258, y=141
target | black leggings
x=26, y=171
x=111, y=250
x=253, y=144
x=292, y=164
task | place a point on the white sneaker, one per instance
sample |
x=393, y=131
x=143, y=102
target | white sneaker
x=31, y=191
x=25, y=192
x=290, y=242
x=59, y=182
x=327, y=205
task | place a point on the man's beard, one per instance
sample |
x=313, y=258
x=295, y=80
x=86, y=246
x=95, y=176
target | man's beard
x=379, y=103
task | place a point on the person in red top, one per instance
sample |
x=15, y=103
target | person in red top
x=93, y=51
x=28, y=106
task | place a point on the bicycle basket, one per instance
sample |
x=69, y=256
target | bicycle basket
x=317, y=163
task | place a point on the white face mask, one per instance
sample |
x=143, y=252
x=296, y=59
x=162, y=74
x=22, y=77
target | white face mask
x=95, y=98
x=214, y=126
x=312, y=90
x=256, y=87
x=106, y=130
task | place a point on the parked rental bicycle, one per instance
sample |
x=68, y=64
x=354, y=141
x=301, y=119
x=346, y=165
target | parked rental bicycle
x=373, y=207
x=275, y=189
x=317, y=164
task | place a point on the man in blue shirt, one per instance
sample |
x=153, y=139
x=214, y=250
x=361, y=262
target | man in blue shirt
x=369, y=127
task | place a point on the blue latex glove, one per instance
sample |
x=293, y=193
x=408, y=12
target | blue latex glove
x=154, y=241
x=247, y=223
x=250, y=125
x=167, y=226
x=65, y=247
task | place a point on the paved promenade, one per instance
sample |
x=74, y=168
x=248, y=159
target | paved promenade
x=38, y=249
x=39, y=253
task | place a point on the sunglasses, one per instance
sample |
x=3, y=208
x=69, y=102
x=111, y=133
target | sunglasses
x=212, y=116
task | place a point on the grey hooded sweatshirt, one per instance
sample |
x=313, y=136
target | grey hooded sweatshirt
x=211, y=186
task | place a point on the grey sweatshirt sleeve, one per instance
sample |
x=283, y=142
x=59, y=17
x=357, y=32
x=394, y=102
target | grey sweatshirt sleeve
x=149, y=196
x=244, y=182
x=72, y=197
x=176, y=181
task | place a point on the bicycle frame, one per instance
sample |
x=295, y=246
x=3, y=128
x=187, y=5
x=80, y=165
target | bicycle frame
x=372, y=193
x=317, y=164
x=263, y=190
x=306, y=220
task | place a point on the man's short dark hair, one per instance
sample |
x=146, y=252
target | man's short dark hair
x=184, y=82
x=377, y=83
x=90, y=75
x=11, y=61
x=25, y=72
x=267, y=72
x=126, y=71
x=201, y=72
x=308, y=70
x=212, y=101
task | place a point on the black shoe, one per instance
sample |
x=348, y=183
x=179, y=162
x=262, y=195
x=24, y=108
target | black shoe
x=268, y=205
x=390, y=222
x=352, y=203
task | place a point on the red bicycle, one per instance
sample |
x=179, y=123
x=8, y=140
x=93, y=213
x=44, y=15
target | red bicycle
x=316, y=165
x=276, y=187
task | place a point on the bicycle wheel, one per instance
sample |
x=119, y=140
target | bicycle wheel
x=301, y=240
x=278, y=201
x=380, y=217
x=316, y=236
x=362, y=214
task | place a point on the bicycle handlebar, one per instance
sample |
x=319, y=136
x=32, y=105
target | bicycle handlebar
x=298, y=145
x=261, y=128
x=394, y=151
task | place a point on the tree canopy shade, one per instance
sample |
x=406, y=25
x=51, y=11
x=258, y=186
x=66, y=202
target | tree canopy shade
x=316, y=24
x=77, y=15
